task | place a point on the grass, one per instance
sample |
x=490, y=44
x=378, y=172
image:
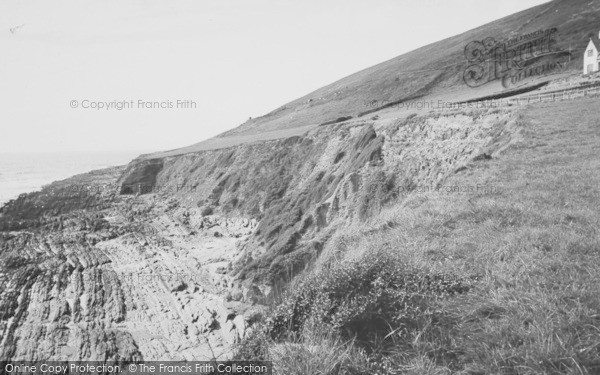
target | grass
x=533, y=239
x=318, y=351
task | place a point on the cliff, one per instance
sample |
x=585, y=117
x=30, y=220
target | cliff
x=302, y=187
x=94, y=269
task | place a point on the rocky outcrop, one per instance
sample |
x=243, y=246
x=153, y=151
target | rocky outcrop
x=133, y=278
x=142, y=179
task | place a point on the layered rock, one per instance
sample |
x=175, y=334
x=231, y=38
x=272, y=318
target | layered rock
x=132, y=278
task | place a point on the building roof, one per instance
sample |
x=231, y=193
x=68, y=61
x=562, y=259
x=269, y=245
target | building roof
x=596, y=40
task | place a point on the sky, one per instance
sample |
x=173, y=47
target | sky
x=186, y=70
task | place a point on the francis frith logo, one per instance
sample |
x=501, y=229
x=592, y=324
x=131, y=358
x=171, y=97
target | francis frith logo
x=515, y=60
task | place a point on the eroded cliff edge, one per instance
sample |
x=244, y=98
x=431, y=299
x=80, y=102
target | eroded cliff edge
x=172, y=258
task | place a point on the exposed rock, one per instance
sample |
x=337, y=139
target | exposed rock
x=240, y=326
x=237, y=295
x=179, y=287
x=139, y=290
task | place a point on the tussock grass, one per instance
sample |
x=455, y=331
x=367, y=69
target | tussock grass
x=318, y=351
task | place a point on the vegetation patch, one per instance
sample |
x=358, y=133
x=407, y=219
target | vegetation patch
x=363, y=299
x=343, y=319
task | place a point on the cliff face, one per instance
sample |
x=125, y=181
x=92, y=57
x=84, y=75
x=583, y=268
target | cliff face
x=302, y=188
x=176, y=267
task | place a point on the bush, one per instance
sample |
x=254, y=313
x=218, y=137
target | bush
x=364, y=299
x=366, y=316
x=206, y=211
x=254, y=347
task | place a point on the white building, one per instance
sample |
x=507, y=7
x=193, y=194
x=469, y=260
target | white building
x=591, y=58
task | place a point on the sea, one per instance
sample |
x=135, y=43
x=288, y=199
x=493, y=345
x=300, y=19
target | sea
x=29, y=172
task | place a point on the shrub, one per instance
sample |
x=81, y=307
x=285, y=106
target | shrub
x=359, y=317
x=364, y=299
x=206, y=211
x=254, y=347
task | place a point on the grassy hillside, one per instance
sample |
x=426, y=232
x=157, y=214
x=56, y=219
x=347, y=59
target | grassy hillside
x=499, y=279
x=435, y=70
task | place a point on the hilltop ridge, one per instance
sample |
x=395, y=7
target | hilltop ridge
x=432, y=72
